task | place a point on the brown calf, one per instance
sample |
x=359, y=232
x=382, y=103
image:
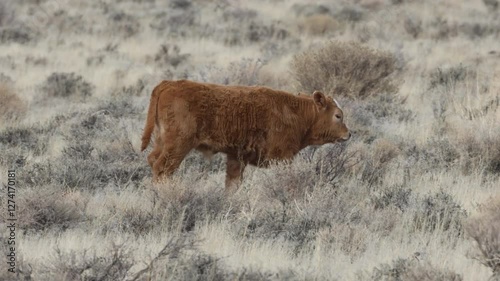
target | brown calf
x=252, y=125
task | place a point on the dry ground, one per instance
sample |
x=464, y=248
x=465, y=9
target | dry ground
x=413, y=196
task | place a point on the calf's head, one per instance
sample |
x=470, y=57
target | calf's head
x=329, y=123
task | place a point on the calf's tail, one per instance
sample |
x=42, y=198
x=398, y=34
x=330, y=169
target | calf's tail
x=151, y=119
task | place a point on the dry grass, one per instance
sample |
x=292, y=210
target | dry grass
x=407, y=198
x=320, y=25
x=13, y=108
x=485, y=230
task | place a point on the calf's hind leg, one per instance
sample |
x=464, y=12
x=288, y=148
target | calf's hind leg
x=155, y=153
x=170, y=158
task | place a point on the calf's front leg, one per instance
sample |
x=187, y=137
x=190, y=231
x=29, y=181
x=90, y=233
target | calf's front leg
x=234, y=172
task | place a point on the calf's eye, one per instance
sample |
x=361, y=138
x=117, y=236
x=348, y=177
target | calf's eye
x=338, y=116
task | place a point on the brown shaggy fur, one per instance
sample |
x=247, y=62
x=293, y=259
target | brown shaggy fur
x=252, y=125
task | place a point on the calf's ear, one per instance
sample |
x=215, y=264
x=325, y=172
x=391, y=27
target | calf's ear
x=319, y=99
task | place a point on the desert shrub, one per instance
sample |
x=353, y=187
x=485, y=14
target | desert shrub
x=5, y=79
x=449, y=77
x=439, y=212
x=133, y=220
x=492, y=5
x=243, y=72
x=333, y=163
x=475, y=30
x=18, y=143
x=388, y=106
x=21, y=137
x=64, y=22
x=291, y=218
x=88, y=164
x=313, y=167
x=123, y=24
x=254, y=32
x=484, y=229
x=454, y=87
x=413, y=26
x=6, y=14
x=493, y=165
x=86, y=264
x=238, y=14
x=180, y=4
x=481, y=154
x=179, y=204
x=45, y=208
x=181, y=259
x=36, y=61
x=197, y=266
x=362, y=122
x=309, y=9
x=96, y=171
x=178, y=22
x=12, y=107
x=297, y=199
x=95, y=60
x=67, y=85
x=258, y=32
x=410, y=270
x=170, y=55
x=351, y=14
x=437, y=153
x=441, y=29
x=377, y=161
x=97, y=149
x=17, y=33
x=430, y=273
x=133, y=90
x=252, y=274
x=441, y=153
x=190, y=202
x=116, y=109
x=178, y=260
x=346, y=68
x=395, y=196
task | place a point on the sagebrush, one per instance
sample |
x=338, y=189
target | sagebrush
x=346, y=69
